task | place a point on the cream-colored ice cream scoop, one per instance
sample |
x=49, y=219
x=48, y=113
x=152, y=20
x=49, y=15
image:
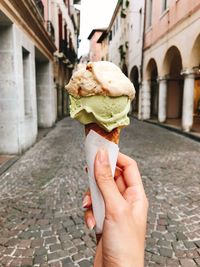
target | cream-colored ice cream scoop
x=100, y=78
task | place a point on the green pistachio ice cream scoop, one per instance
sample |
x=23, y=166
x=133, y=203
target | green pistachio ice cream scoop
x=100, y=94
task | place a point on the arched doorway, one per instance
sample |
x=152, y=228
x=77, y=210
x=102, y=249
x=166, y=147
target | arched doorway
x=173, y=67
x=125, y=69
x=134, y=77
x=195, y=61
x=152, y=71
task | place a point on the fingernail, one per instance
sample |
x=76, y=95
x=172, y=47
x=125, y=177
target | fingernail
x=102, y=155
x=85, y=201
x=90, y=223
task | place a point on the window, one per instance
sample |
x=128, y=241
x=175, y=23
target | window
x=140, y=23
x=110, y=36
x=164, y=5
x=149, y=13
x=26, y=81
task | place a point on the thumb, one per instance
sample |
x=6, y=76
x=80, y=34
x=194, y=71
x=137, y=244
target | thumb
x=104, y=179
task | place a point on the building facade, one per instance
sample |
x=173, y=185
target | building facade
x=122, y=42
x=171, y=69
x=136, y=12
x=32, y=68
x=95, y=52
x=104, y=41
x=118, y=36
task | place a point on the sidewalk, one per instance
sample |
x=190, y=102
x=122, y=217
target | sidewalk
x=175, y=127
x=6, y=161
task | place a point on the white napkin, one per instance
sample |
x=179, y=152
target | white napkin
x=93, y=142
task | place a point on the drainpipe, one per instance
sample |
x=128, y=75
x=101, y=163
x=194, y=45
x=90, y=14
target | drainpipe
x=143, y=37
x=140, y=111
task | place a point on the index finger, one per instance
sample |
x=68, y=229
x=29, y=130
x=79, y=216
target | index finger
x=131, y=172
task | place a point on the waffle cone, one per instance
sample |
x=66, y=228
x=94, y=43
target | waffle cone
x=112, y=136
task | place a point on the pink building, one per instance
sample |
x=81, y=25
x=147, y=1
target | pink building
x=95, y=53
x=171, y=87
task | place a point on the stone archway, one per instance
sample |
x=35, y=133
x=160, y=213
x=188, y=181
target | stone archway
x=173, y=67
x=152, y=71
x=134, y=77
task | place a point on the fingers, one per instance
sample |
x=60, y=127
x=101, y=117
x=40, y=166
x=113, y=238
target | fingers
x=130, y=170
x=89, y=219
x=105, y=181
x=87, y=200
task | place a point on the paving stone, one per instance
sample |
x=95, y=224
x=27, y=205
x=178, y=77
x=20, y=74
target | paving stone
x=57, y=255
x=78, y=256
x=158, y=259
x=158, y=235
x=40, y=259
x=8, y=251
x=3, y=241
x=72, y=250
x=37, y=243
x=24, y=244
x=172, y=262
x=5, y=260
x=187, y=263
x=197, y=261
x=197, y=243
x=81, y=247
x=40, y=251
x=55, y=247
x=15, y=263
x=181, y=236
x=18, y=252
x=84, y=263
x=67, y=263
x=180, y=253
x=47, y=233
x=192, y=253
x=55, y=264
x=166, y=252
x=164, y=243
x=28, y=252
x=26, y=262
x=50, y=240
x=189, y=244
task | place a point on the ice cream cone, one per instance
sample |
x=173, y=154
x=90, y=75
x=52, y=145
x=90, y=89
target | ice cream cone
x=112, y=136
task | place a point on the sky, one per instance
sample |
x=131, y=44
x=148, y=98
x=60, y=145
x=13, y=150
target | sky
x=94, y=14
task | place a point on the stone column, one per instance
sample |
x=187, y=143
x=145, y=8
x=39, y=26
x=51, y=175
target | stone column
x=140, y=102
x=188, y=100
x=162, y=101
x=45, y=94
x=145, y=100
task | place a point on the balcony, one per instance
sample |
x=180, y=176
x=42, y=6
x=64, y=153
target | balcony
x=50, y=29
x=40, y=7
x=69, y=53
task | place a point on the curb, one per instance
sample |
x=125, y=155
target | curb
x=8, y=164
x=191, y=135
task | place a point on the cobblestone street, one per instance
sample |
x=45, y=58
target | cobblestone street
x=41, y=219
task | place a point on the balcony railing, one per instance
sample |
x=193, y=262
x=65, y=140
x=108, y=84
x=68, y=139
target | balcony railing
x=50, y=30
x=40, y=7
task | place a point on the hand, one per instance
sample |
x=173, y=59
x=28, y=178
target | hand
x=123, y=238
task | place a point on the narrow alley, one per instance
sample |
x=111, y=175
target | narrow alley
x=41, y=218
